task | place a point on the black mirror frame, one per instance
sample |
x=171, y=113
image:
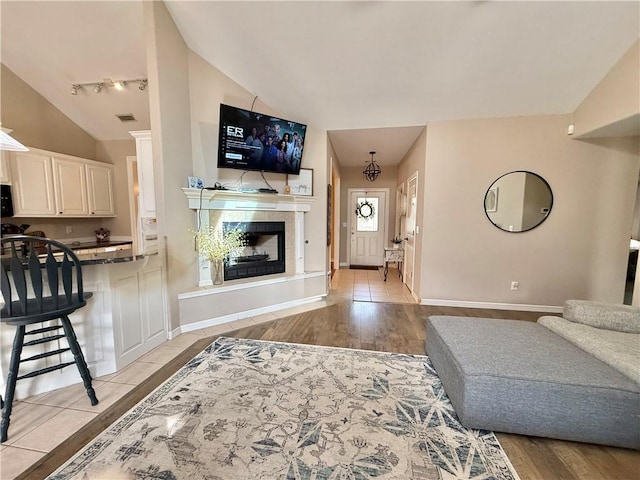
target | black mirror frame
x=484, y=202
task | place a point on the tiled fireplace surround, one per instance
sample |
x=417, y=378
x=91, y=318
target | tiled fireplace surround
x=212, y=305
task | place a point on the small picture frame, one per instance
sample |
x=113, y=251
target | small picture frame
x=301, y=184
x=195, y=182
x=491, y=200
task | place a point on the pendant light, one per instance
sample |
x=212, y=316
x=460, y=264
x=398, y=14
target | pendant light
x=372, y=170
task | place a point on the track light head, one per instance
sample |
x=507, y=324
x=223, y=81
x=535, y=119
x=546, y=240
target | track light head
x=98, y=87
x=143, y=84
x=74, y=89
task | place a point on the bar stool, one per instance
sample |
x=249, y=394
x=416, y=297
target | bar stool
x=30, y=300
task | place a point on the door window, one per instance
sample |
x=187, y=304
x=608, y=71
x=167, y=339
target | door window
x=367, y=214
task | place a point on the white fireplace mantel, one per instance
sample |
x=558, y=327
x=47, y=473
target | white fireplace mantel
x=200, y=200
x=229, y=200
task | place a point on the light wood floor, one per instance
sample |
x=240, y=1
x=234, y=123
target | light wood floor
x=390, y=327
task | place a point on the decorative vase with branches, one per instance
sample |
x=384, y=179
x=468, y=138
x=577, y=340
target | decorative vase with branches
x=218, y=246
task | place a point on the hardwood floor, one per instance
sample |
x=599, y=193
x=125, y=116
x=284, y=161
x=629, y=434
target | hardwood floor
x=391, y=327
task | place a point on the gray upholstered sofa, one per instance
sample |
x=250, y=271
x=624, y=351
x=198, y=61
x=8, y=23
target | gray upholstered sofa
x=572, y=378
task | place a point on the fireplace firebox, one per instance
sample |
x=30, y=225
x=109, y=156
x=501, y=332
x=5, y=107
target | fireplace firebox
x=264, y=250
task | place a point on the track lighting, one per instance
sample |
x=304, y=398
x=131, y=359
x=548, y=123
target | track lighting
x=119, y=85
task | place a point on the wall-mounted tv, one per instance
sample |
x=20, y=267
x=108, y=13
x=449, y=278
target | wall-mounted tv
x=256, y=141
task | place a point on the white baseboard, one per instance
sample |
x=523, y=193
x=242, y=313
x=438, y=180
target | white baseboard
x=211, y=322
x=344, y=264
x=491, y=305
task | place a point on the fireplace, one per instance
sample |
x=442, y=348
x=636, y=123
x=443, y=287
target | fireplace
x=264, y=251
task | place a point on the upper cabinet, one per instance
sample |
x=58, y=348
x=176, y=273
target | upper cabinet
x=100, y=189
x=51, y=184
x=32, y=178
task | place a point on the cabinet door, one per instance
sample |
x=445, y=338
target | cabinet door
x=100, y=188
x=5, y=174
x=33, y=191
x=71, y=187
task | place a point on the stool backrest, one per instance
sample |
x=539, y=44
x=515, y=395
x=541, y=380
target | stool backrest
x=21, y=263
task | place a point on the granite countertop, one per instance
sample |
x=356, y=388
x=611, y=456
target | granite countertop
x=98, y=253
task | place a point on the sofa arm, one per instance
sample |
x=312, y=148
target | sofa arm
x=607, y=316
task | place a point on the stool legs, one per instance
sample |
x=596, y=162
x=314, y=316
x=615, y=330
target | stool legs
x=11, y=381
x=79, y=358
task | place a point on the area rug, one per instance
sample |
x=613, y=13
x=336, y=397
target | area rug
x=250, y=409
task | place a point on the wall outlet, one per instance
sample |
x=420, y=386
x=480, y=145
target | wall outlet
x=514, y=285
x=69, y=229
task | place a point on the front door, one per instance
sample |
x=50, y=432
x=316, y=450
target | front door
x=368, y=220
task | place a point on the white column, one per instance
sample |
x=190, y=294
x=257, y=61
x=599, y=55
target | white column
x=204, y=266
x=299, y=242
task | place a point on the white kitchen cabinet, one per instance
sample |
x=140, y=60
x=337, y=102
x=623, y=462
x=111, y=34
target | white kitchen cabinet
x=100, y=189
x=144, y=158
x=5, y=171
x=70, y=181
x=48, y=184
x=138, y=301
x=32, y=178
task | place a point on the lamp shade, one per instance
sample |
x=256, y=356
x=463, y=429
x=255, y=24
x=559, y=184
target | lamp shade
x=10, y=144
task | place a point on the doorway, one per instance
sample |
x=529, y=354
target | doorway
x=368, y=226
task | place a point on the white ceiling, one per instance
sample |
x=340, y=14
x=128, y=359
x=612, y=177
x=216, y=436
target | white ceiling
x=352, y=68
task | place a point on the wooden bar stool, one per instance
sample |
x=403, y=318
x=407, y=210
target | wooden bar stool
x=32, y=297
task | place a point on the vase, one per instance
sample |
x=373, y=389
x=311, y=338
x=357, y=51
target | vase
x=217, y=272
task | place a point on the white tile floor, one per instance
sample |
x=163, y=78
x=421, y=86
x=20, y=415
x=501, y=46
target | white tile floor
x=55, y=416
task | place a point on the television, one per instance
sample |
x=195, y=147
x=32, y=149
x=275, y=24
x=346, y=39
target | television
x=256, y=141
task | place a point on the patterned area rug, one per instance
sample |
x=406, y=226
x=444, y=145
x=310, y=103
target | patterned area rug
x=249, y=409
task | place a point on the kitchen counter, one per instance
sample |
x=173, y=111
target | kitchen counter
x=97, y=253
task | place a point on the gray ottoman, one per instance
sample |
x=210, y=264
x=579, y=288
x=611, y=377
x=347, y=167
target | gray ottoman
x=519, y=377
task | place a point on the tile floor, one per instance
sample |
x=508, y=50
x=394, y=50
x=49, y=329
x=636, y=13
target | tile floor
x=55, y=416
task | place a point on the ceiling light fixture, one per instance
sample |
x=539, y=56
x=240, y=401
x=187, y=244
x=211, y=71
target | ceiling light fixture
x=98, y=87
x=373, y=170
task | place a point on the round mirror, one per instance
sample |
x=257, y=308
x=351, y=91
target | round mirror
x=518, y=201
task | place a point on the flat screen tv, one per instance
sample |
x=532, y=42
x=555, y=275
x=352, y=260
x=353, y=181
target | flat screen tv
x=256, y=141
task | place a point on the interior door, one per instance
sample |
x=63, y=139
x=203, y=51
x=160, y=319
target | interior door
x=368, y=220
x=409, y=249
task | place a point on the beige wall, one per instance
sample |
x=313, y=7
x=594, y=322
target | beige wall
x=167, y=68
x=37, y=123
x=578, y=252
x=415, y=161
x=351, y=177
x=116, y=152
x=615, y=98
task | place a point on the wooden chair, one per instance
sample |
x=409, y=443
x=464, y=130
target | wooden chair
x=43, y=293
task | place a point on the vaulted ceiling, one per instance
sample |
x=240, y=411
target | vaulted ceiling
x=364, y=71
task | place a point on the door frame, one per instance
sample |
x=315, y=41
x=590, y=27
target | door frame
x=412, y=260
x=385, y=231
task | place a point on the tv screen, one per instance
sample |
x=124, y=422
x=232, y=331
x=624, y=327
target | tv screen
x=256, y=141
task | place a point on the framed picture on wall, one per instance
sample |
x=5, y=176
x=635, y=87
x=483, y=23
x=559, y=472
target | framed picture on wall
x=301, y=184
